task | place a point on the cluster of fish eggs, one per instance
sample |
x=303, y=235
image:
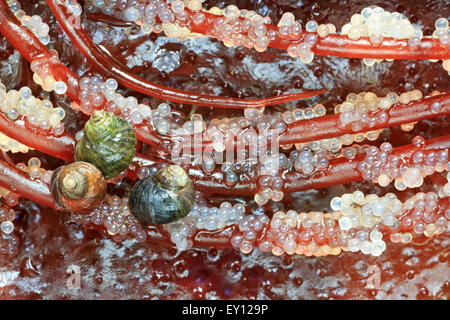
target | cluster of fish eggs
x=442, y=32
x=206, y=218
x=303, y=50
x=167, y=122
x=74, y=8
x=415, y=95
x=313, y=233
x=251, y=129
x=361, y=216
x=7, y=217
x=374, y=22
x=162, y=119
x=8, y=144
x=9, y=241
x=115, y=217
x=358, y=223
x=34, y=23
x=269, y=188
x=39, y=113
x=35, y=171
x=243, y=27
x=354, y=112
x=382, y=167
x=247, y=28
x=317, y=110
x=252, y=144
x=248, y=231
x=424, y=217
x=231, y=171
x=314, y=155
x=347, y=139
x=333, y=147
x=307, y=161
x=270, y=184
x=254, y=130
x=300, y=233
x=43, y=75
x=10, y=199
x=96, y=93
x=233, y=27
x=359, y=210
x=145, y=14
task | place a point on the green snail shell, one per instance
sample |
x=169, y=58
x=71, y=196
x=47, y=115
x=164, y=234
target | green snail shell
x=165, y=197
x=109, y=143
x=78, y=187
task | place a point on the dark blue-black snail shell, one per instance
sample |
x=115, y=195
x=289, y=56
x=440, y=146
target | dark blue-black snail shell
x=109, y=142
x=165, y=197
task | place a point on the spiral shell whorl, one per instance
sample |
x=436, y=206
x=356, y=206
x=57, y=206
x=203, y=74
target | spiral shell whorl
x=165, y=197
x=78, y=187
x=172, y=177
x=74, y=183
x=109, y=142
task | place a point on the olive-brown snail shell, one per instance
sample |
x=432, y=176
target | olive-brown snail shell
x=109, y=142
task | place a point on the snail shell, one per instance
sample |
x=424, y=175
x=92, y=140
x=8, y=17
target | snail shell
x=78, y=187
x=109, y=143
x=165, y=197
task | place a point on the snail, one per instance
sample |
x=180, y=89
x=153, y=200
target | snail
x=165, y=197
x=78, y=187
x=109, y=143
